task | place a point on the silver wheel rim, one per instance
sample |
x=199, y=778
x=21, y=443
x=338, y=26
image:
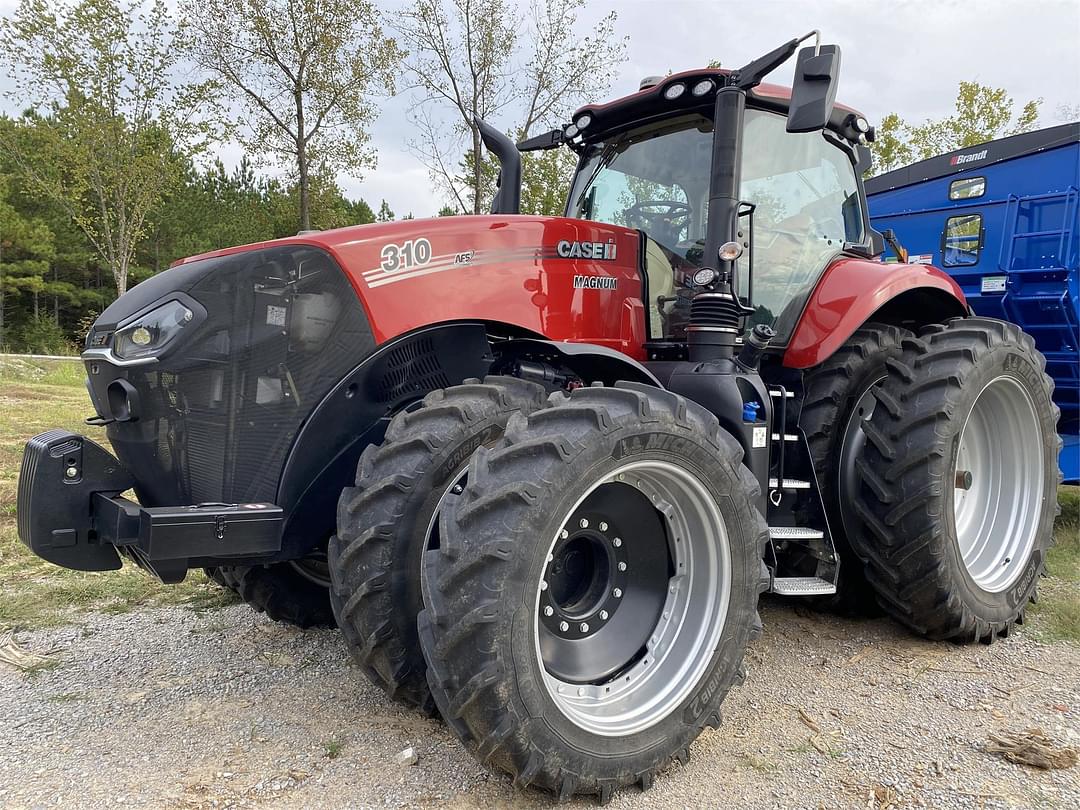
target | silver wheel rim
x=998, y=484
x=693, y=616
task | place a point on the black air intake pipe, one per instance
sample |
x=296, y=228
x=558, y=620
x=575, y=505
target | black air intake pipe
x=508, y=197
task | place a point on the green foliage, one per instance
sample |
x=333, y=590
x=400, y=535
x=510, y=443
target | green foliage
x=545, y=180
x=106, y=107
x=448, y=211
x=385, y=214
x=981, y=113
x=304, y=73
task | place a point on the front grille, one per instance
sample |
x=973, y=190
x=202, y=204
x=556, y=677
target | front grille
x=220, y=412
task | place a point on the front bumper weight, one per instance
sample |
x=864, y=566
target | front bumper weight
x=71, y=513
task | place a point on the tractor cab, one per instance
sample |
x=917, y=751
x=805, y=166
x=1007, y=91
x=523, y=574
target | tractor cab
x=786, y=170
x=802, y=190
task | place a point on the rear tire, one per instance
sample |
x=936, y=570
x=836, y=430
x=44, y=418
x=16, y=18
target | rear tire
x=959, y=480
x=836, y=394
x=282, y=591
x=386, y=521
x=547, y=718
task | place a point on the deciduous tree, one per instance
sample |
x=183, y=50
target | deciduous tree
x=305, y=74
x=475, y=58
x=107, y=106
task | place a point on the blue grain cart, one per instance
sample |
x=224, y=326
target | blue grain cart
x=1003, y=219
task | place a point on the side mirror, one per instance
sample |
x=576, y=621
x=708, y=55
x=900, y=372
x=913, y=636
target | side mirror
x=814, y=89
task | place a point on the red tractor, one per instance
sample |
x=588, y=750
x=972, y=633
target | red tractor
x=540, y=468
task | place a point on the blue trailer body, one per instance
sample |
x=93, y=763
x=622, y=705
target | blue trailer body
x=1003, y=218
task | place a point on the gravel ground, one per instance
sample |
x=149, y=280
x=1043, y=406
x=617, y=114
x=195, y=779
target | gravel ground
x=172, y=708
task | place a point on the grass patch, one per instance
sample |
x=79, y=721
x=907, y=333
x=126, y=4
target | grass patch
x=70, y=373
x=36, y=396
x=333, y=748
x=1057, y=614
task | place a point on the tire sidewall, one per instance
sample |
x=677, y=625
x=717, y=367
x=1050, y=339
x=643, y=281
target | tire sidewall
x=451, y=460
x=1004, y=360
x=626, y=445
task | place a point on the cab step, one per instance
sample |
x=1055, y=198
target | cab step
x=795, y=533
x=789, y=483
x=802, y=586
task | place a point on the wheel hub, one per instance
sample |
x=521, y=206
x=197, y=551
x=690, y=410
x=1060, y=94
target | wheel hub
x=586, y=576
x=604, y=585
x=621, y=647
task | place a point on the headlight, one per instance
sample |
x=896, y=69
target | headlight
x=583, y=121
x=151, y=333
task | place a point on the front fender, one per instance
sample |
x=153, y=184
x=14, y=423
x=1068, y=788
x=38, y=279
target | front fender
x=852, y=290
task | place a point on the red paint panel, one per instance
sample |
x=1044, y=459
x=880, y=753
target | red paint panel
x=849, y=292
x=498, y=268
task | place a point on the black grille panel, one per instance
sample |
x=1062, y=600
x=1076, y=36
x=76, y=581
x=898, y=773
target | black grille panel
x=220, y=412
x=413, y=367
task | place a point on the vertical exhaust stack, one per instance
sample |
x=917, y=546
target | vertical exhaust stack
x=508, y=197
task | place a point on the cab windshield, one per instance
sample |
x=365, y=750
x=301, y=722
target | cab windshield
x=656, y=179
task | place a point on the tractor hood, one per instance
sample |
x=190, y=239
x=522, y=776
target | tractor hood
x=548, y=276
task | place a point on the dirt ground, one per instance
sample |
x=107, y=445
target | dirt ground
x=170, y=707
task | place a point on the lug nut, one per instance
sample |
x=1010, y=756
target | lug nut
x=543, y=585
x=603, y=615
x=617, y=593
x=549, y=610
x=583, y=523
x=564, y=626
x=622, y=566
x=603, y=526
x=564, y=534
x=617, y=542
x=584, y=627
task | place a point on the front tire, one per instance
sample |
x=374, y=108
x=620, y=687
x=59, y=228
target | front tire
x=596, y=586
x=389, y=517
x=294, y=592
x=960, y=479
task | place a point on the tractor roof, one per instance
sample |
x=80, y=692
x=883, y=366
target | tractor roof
x=649, y=103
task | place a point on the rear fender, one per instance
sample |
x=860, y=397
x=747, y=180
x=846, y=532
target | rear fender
x=854, y=291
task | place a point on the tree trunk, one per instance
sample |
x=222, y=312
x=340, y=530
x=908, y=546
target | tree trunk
x=476, y=168
x=302, y=163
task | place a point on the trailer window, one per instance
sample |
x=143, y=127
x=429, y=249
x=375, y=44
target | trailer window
x=967, y=188
x=961, y=241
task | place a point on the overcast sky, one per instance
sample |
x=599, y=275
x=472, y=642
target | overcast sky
x=906, y=57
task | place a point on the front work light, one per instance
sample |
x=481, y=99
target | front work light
x=149, y=334
x=583, y=121
x=674, y=91
x=702, y=87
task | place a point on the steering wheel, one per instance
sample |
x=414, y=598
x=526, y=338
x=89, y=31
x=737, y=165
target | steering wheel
x=674, y=215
